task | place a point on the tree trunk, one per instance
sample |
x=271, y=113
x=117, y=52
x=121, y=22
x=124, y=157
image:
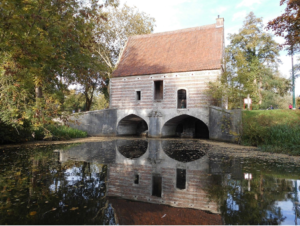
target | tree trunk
x=259, y=91
x=38, y=92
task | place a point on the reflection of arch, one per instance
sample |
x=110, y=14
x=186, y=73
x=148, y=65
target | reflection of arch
x=132, y=149
x=132, y=125
x=185, y=126
x=184, y=150
x=181, y=98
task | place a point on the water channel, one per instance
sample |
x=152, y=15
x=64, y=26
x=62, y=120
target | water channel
x=145, y=181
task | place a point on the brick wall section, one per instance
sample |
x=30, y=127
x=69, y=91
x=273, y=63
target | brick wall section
x=121, y=184
x=123, y=90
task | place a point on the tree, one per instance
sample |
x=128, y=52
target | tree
x=112, y=35
x=41, y=43
x=251, y=65
x=288, y=24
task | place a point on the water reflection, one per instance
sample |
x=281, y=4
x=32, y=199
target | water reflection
x=37, y=188
x=132, y=148
x=93, y=183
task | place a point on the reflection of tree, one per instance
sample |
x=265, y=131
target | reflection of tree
x=35, y=188
x=240, y=206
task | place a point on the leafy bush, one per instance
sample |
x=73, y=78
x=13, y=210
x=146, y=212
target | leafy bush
x=53, y=132
x=9, y=134
x=273, y=131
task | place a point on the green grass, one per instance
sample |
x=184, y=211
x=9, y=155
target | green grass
x=272, y=130
x=53, y=132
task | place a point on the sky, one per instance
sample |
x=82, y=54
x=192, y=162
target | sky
x=179, y=14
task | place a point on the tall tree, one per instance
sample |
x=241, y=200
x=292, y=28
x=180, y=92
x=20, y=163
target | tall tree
x=110, y=36
x=40, y=42
x=251, y=64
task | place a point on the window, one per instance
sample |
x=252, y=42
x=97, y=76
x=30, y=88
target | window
x=156, y=185
x=138, y=95
x=136, y=178
x=181, y=98
x=158, y=90
x=181, y=179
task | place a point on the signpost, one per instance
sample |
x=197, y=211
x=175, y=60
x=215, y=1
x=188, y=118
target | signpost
x=248, y=101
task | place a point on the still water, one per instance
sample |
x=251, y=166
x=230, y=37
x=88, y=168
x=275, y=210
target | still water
x=144, y=181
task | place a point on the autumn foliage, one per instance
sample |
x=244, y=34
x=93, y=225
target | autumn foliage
x=288, y=24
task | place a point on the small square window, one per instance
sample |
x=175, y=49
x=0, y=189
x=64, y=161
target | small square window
x=138, y=95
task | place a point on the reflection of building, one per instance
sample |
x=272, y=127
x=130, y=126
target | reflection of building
x=156, y=178
x=153, y=177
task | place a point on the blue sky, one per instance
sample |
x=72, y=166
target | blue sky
x=178, y=14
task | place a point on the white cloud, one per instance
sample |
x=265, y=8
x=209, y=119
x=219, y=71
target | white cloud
x=220, y=9
x=239, y=15
x=248, y=3
x=165, y=12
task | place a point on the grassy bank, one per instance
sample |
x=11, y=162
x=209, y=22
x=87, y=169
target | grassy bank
x=10, y=135
x=272, y=130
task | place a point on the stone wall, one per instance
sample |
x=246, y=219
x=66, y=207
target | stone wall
x=96, y=123
x=225, y=125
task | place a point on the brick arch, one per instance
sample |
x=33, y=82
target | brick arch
x=185, y=124
x=131, y=125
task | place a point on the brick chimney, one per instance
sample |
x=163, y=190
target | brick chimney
x=220, y=22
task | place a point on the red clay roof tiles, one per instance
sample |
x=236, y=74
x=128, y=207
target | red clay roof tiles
x=192, y=49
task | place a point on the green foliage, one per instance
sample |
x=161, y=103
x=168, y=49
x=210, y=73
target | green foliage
x=74, y=101
x=273, y=130
x=10, y=134
x=250, y=67
x=100, y=102
x=53, y=132
x=45, y=46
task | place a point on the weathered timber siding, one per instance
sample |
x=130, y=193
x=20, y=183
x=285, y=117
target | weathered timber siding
x=123, y=90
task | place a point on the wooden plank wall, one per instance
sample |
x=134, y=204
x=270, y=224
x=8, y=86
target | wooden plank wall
x=123, y=90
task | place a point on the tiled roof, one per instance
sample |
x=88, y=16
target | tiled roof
x=192, y=49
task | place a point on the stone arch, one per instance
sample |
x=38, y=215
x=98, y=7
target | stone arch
x=185, y=126
x=132, y=125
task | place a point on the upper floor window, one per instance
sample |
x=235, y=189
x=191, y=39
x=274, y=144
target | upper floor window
x=181, y=98
x=138, y=95
x=158, y=90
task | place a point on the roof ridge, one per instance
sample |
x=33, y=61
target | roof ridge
x=174, y=32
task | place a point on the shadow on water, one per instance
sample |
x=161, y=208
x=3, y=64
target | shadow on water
x=140, y=181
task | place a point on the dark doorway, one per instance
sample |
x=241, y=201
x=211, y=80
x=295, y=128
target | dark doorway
x=180, y=178
x=156, y=185
x=181, y=99
x=158, y=90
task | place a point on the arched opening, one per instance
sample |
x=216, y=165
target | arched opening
x=185, y=126
x=181, y=99
x=132, y=125
x=185, y=150
x=132, y=149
